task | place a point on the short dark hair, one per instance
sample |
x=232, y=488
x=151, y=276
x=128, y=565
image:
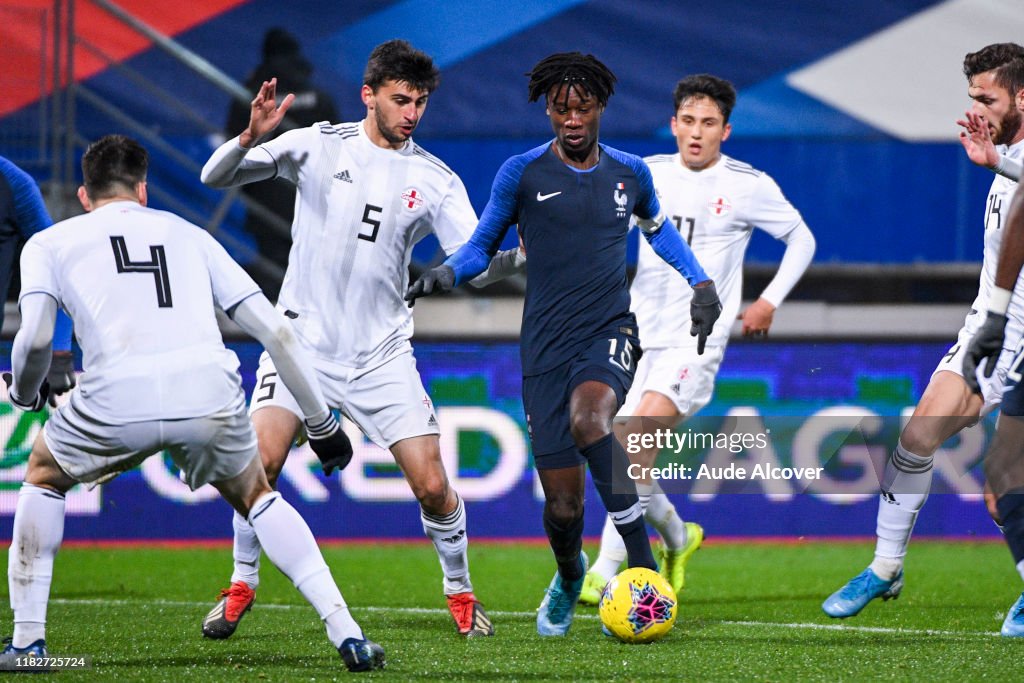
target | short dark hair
x=717, y=89
x=397, y=60
x=113, y=163
x=1006, y=60
x=577, y=71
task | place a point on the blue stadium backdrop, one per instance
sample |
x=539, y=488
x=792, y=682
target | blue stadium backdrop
x=476, y=390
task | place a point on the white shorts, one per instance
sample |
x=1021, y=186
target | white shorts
x=679, y=374
x=387, y=402
x=991, y=387
x=207, y=449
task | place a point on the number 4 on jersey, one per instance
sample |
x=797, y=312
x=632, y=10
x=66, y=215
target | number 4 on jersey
x=157, y=265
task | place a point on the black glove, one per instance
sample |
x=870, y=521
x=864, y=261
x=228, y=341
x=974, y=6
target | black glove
x=987, y=343
x=704, y=311
x=61, y=375
x=330, y=443
x=35, y=406
x=438, y=279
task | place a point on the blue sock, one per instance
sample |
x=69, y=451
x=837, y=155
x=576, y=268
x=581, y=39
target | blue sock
x=566, y=543
x=1011, y=512
x=608, y=468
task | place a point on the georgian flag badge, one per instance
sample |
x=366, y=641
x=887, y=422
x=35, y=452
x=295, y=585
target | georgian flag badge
x=412, y=198
x=719, y=206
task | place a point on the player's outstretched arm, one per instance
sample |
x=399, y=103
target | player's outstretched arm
x=257, y=316
x=976, y=139
x=474, y=257
x=987, y=343
x=504, y=264
x=230, y=163
x=27, y=387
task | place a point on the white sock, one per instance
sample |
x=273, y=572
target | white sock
x=290, y=545
x=246, y=552
x=1020, y=568
x=905, y=486
x=612, y=553
x=643, y=493
x=448, y=532
x=38, y=532
x=661, y=514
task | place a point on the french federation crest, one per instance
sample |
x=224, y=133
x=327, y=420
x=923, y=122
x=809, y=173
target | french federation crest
x=621, y=199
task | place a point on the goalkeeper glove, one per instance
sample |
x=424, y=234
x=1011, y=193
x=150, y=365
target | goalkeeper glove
x=438, y=279
x=704, y=311
x=986, y=344
x=61, y=375
x=33, y=406
x=330, y=443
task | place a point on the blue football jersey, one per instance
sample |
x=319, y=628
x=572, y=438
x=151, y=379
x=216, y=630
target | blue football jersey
x=574, y=225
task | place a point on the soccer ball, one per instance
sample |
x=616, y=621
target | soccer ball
x=638, y=606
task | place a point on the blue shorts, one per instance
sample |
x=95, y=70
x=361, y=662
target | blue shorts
x=611, y=359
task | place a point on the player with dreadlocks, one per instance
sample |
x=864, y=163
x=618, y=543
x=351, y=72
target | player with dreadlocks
x=572, y=198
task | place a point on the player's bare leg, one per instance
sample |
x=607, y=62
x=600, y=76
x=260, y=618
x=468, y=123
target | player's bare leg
x=290, y=545
x=444, y=521
x=275, y=433
x=37, y=535
x=654, y=412
x=946, y=407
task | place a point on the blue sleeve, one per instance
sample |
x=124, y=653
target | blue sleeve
x=62, y=332
x=647, y=204
x=668, y=244
x=29, y=209
x=474, y=256
x=31, y=216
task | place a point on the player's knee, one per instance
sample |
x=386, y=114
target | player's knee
x=922, y=438
x=432, y=493
x=563, y=510
x=587, y=427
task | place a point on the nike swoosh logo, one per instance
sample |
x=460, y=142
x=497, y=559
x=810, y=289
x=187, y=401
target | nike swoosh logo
x=542, y=197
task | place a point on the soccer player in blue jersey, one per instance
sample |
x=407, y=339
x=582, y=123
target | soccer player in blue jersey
x=572, y=199
x=23, y=214
x=1004, y=460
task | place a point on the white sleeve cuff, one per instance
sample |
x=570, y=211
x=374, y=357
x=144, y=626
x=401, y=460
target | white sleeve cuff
x=999, y=300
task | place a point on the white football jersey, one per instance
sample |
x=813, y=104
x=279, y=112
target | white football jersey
x=997, y=205
x=141, y=286
x=715, y=211
x=360, y=210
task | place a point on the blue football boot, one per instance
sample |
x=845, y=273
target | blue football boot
x=554, y=616
x=13, y=658
x=1013, y=625
x=849, y=600
x=361, y=655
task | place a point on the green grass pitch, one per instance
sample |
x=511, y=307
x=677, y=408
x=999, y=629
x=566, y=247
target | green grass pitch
x=750, y=612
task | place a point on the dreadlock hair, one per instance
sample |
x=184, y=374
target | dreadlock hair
x=1006, y=60
x=397, y=60
x=718, y=90
x=575, y=71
